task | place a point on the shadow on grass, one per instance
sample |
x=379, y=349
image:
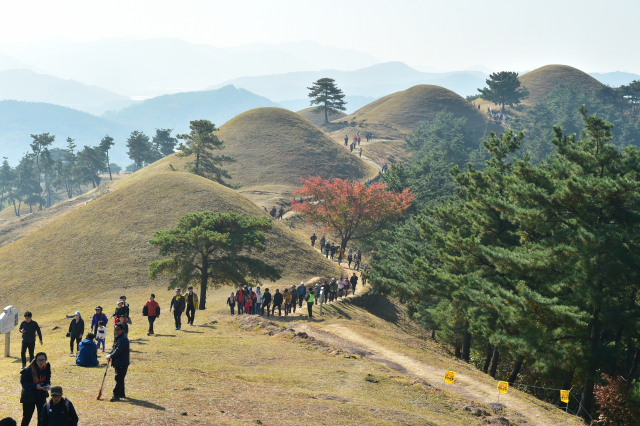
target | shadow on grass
x=206, y=326
x=187, y=331
x=146, y=404
x=165, y=335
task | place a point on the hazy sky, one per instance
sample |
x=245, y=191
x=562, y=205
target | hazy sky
x=593, y=35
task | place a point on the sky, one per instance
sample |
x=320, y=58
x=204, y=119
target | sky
x=518, y=35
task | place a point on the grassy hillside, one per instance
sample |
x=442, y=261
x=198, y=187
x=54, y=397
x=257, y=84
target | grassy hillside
x=176, y=111
x=104, y=244
x=403, y=111
x=318, y=119
x=541, y=81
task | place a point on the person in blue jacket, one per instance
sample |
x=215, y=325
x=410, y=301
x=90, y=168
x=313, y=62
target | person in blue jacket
x=120, y=361
x=35, y=381
x=302, y=292
x=98, y=317
x=87, y=352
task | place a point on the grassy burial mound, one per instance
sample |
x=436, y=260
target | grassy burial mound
x=402, y=111
x=104, y=244
x=318, y=119
x=543, y=80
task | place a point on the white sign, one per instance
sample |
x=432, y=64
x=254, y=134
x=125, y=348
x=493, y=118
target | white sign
x=9, y=319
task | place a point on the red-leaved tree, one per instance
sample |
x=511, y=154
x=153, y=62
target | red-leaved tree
x=350, y=209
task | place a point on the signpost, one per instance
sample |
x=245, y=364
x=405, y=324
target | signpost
x=503, y=387
x=9, y=319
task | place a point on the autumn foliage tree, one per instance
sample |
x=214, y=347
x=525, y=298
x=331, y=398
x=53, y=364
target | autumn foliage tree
x=350, y=209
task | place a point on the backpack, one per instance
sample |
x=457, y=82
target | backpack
x=66, y=404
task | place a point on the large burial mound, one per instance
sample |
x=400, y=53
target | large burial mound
x=402, y=111
x=318, y=119
x=104, y=244
x=543, y=80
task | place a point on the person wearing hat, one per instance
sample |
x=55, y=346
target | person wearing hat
x=266, y=301
x=76, y=331
x=120, y=311
x=191, y=300
x=119, y=358
x=294, y=298
x=97, y=318
x=58, y=410
x=302, y=292
x=178, y=306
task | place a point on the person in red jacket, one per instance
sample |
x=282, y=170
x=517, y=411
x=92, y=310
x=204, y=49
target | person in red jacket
x=239, y=299
x=153, y=312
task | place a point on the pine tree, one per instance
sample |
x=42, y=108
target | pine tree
x=329, y=98
x=163, y=143
x=105, y=145
x=504, y=89
x=139, y=149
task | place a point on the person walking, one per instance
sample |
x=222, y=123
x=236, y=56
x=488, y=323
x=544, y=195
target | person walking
x=322, y=241
x=333, y=287
x=153, y=312
x=287, y=302
x=280, y=213
x=35, y=381
x=310, y=299
x=346, y=140
x=341, y=287
x=356, y=259
x=313, y=239
x=316, y=292
x=231, y=301
x=58, y=411
x=29, y=328
x=294, y=298
x=191, y=300
x=354, y=281
x=358, y=140
x=178, y=306
x=101, y=335
x=120, y=311
x=327, y=249
x=340, y=255
x=87, y=353
x=119, y=358
x=259, y=298
x=302, y=292
x=360, y=152
x=96, y=318
x=363, y=274
x=76, y=331
x=248, y=301
x=239, y=297
x=333, y=250
x=277, y=302
x=321, y=298
x=350, y=258
x=266, y=301
x=125, y=306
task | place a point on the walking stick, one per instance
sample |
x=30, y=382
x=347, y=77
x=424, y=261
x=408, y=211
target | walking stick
x=103, y=377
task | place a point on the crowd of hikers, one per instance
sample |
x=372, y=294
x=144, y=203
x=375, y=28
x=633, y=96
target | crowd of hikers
x=250, y=301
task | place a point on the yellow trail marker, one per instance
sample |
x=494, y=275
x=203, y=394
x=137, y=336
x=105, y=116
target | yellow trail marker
x=503, y=387
x=564, y=396
x=449, y=377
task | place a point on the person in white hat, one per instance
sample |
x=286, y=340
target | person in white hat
x=302, y=292
x=76, y=331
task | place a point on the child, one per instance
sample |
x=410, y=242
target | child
x=247, y=305
x=101, y=334
x=231, y=301
x=123, y=321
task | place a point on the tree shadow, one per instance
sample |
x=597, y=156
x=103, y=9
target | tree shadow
x=378, y=305
x=146, y=404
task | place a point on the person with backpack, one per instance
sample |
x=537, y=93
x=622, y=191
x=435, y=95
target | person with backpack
x=87, y=353
x=294, y=298
x=364, y=274
x=96, y=318
x=333, y=250
x=119, y=358
x=313, y=239
x=302, y=292
x=277, y=302
x=354, y=281
x=287, y=302
x=327, y=249
x=231, y=301
x=152, y=309
x=58, y=411
x=178, y=306
x=310, y=299
x=36, y=381
x=191, y=300
x=29, y=328
x=76, y=331
x=356, y=259
x=266, y=301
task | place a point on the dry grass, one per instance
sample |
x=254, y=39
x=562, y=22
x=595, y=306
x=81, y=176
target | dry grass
x=104, y=244
x=387, y=152
x=541, y=81
x=318, y=119
x=403, y=111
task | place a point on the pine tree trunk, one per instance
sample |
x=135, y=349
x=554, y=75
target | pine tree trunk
x=204, y=280
x=14, y=208
x=566, y=385
x=494, y=362
x=326, y=117
x=466, y=343
x=586, y=399
x=487, y=360
x=433, y=334
x=457, y=351
x=109, y=166
x=516, y=370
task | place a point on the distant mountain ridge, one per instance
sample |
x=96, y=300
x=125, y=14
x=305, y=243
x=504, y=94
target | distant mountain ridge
x=27, y=85
x=616, y=78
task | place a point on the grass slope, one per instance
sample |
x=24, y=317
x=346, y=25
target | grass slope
x=541, y=81
x=403, y=111
x=318, y=119
x=104, y=244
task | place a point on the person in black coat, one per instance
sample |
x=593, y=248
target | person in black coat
x=178, y=304
x=29, y=328
x=266, y=301
x=76, y=331
x=119, y=358
x=277, y=301
x=35, y=381
x=58, y=411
